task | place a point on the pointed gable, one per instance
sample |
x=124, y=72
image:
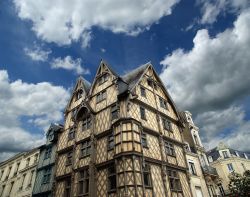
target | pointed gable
x=82, y=87
x=103, y=69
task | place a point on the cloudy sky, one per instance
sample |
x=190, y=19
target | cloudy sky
x=200, y=48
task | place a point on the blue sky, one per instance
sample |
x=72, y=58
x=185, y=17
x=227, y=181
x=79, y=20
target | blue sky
x=200, y=49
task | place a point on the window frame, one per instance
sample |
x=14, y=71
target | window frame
x=88, y=122
x=111, y=141
x=101, y=96
x=46, y=176
x=85, y=148
x=192, y=168
x=143, y=92
x=147, y=174
x=163, y=103
x=143, y=113
x=112, y=178
x=67, y=189
x=169, y=148
x=69, y=160
x=103, y=78
x=83, y=181
x=230, y=167
x=174, y=178
x=144, y=141
x=48, y=152
x=114, y=112
x=225, y=154
x=167, y=125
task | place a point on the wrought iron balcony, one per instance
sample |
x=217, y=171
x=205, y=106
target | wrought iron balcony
x=209, y=170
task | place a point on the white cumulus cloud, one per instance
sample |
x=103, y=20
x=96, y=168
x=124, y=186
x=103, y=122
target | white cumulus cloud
x=211, y=79
x=69, y=63
x=37, y=53
x=65, y=21
x=40, y=103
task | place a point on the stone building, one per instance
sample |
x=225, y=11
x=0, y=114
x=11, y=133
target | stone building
x=227, y=160
x=203, y=177
x=17, y=174
x=122, y=137
x=46, y=165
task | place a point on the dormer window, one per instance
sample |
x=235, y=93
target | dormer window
x=196, y=140
x=245, y=155
x=210, y=159
x=237, y=154
x=51, y=136
x=103, y=78
x=225, y=154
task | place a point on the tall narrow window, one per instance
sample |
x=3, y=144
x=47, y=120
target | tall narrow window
x=46, y=176
x=69, y=158
x=86, y=124
x=35, y=158
x=147, y=176
x=222, y=192
x=79, y=94
x=111, y=142
x=114, y=112
x=31, y=178
x=143, y=91
x=167, y=124
x=47, y=153
x=143, y=113
x=169, y=148
x=2, y=175
x=196, y=140
x=174, y=180
x=67, y=192
x=225, y=154
x=163, y=103
x=230, y=167
x=27, y=162
x=144, y=140
x=85, y=149
x=71, y=134
x=83, y=184
x=22, y=182
x=192, y=168
x=112, y=178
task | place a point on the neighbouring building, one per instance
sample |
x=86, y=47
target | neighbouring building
x=44, y=181
x=227, y=160
x=203, y=177
x=17, y=174
x=122, y=137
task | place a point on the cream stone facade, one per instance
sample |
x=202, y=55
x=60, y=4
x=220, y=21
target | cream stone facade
x=226, y=161
x=203, y=177
x=17, y=174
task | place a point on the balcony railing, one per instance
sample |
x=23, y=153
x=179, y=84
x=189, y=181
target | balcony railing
x=209, y=170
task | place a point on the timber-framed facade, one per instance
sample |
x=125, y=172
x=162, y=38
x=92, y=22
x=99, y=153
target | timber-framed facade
x=122, y=137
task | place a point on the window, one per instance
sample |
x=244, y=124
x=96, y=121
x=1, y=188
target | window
x=21, y=187
x=31, y=178
x=143, y=92
x=27, y=162
x=225, y=154
x=143, y=113
x=101, y=96
x=111, y=142
x=85, y=149
x=103, y=78
x=2, y=174
x=51, y=136
x=71, y=134
x=167, y=124
x=79, y=94
x=245, y=155
x=36, y=158
x=86, y=124
x=196, y=140
x=222, y=192
x=147, y=176
x=47, y=153
x=169, y=148
x=210, y=159
x=114, y=112
x=83, y=184
x=69, y=158
x=67, y=188
x=236, y=153
x=163, y=103
x=144, y=140
x=150, y=82
x=46, y=176
x=111, y=178
x=192, y=168
x=230, y=167
x=174, y=181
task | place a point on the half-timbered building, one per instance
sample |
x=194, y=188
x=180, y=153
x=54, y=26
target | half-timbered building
x=122, y=137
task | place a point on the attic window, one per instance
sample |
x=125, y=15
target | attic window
x=79, y=94
x=152, y=84
x=103, y=78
